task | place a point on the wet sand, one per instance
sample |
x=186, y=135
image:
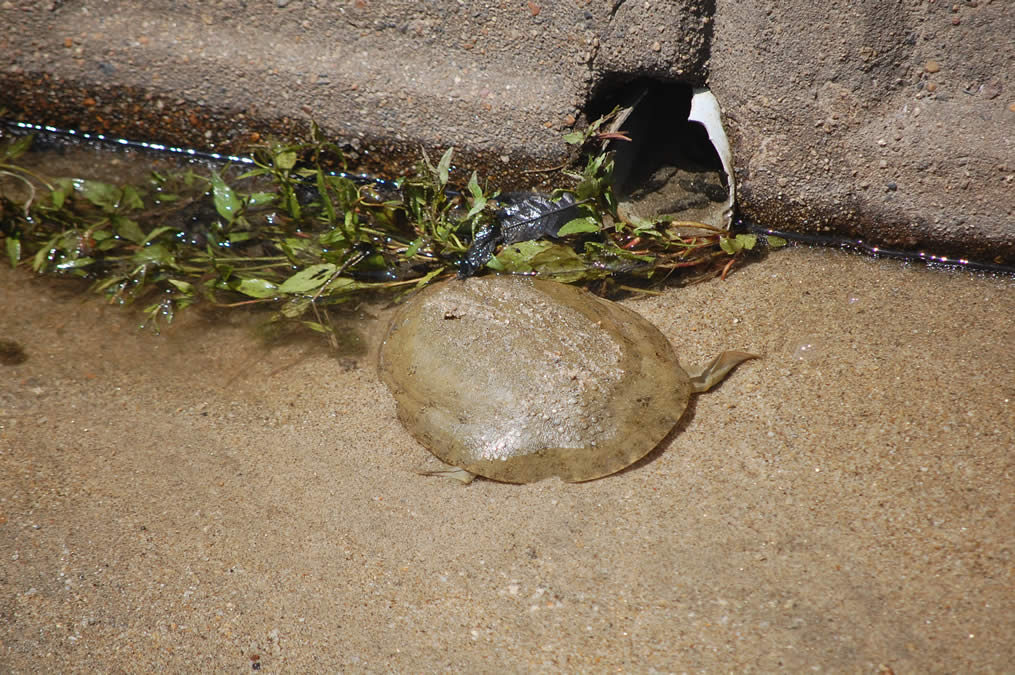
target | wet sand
x=196, y=501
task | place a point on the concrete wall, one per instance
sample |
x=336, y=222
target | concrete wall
x=839, y=120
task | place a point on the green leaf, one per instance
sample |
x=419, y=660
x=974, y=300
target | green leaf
x=730, y=245
x=579, y=225
x=128, y=229
x=64, y=188
x=295, y=308
x=257, y=288
x=317, y=327
x=157, y=232
x=259, y=199
x=104, y=195
x=326, y=203
x=182, y=286
x=294, y=247
x=285, y=160
x=413, y=247
x=339, y=285
x=226, y=202
x=574, y=138
x=100, y=286
x=775, y=242
x=346, y=192
x=561, y=263
x=478, y=198
x=545, y=259
x=84, y=261
x=158, y=254
x=642, y=226
x=444, y=166
x=130, y=198
x=429, y=277
x=308, y=279
x=516, y=257
x=16, y=148
x=44, y=253
x=351, y=224
x=13, y=247
x=734, y=245
x=107, y=242
x=427, y=163
x=473, y=186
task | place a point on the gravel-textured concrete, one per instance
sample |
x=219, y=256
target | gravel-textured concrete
x=889, y=120
x=498, y=80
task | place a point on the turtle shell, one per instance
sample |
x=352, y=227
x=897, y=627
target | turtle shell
x=519, y=379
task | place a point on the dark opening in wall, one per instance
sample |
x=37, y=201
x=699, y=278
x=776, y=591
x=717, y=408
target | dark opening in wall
x=669, y=168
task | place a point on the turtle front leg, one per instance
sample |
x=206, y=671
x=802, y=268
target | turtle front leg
x=449, y=471
x=704, y=378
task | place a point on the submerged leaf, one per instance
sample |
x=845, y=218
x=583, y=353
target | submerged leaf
x=295, y=308
x=308, y=279
x=128, y=229
x=64, y=186
x=16, y=148
x=516, y=257
x=13, y=250
x=546, y=259
x=156, y=233
x=257, y=288
x=226, y=202
x=317, y=327
x=158, y=254
x=130, y=198
x=75, y=263
x=182, y=286
x=562, y=264
x=340, y=285
x=104, y=195
x=429, y=277
x=259, y=199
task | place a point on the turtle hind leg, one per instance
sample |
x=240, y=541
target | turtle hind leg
x=448, y=471
x=704, y=378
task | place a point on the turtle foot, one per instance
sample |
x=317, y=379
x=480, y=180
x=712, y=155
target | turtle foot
x=449, y=471
x=703, y=379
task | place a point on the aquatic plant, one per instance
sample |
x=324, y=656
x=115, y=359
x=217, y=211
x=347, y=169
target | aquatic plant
x=297, y=234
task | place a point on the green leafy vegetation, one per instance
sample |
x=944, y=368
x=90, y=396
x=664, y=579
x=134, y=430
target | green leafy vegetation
x=294, y=235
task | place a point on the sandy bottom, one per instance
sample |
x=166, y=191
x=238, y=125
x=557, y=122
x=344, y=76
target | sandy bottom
x=197, y=501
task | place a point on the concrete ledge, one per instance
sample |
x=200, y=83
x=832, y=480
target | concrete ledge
x=888, y=121
x=879, y=120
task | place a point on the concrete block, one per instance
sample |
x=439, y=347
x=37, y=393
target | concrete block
x=891, y=121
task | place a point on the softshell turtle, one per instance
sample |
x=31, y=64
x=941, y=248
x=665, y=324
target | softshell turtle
x=519, y=379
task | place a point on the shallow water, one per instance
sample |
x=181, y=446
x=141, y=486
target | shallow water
x=197, y=500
